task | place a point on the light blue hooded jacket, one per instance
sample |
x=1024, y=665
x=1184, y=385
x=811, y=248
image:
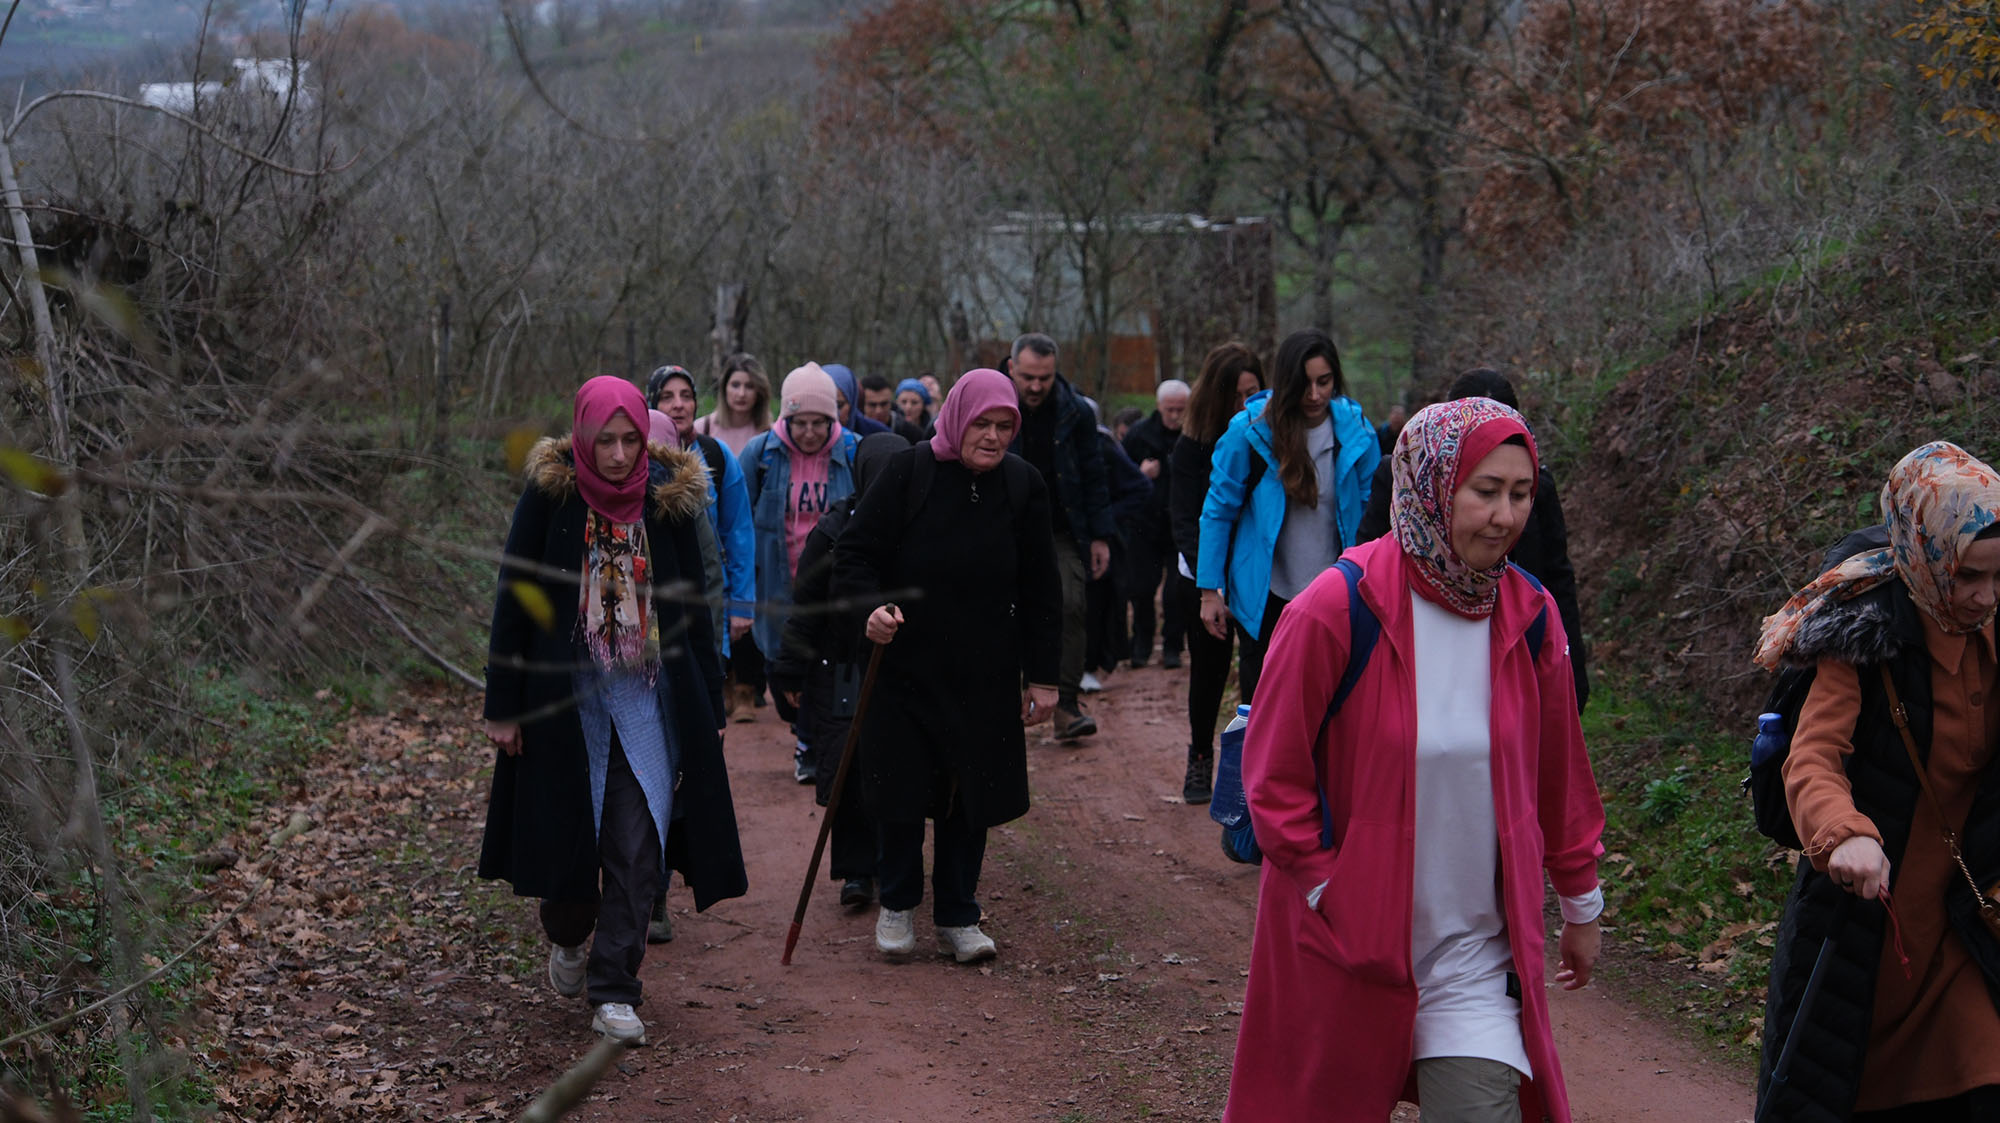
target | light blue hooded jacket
x=767, y=474
x=1240, y=519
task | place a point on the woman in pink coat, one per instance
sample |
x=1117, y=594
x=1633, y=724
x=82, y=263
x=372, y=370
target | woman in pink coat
x=1405, y=961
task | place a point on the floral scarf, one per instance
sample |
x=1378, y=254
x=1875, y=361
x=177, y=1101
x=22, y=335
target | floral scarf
x=615, y=613
x=1435, y=453
x=1937, y=499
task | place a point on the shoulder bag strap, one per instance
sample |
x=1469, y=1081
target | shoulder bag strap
x=1902, y=719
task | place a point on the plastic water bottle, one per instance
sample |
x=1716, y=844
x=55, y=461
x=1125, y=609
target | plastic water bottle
x=1229, y=806
x=1771, y=739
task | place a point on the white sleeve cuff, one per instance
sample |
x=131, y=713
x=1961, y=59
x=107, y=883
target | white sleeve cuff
x=1312, y=898
x=1584, y=908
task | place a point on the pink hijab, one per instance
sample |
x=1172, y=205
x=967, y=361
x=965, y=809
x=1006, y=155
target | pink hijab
x=664, y=431
x=597, y=402
x=975, y=392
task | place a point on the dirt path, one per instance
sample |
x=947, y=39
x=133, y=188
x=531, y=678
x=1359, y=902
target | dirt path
x=1123, y=934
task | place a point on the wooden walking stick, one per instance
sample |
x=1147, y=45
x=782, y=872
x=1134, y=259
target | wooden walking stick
x=833, y=801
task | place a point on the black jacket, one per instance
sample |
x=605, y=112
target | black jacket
x=1189, y=465
x=944, y=725
x=1150, y=439
x=1543, y=551
x=1879, y=627
x=540, y=834
x=1079, y=484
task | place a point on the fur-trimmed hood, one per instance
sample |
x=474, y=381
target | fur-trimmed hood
x=679, y=478
x=1868, y=629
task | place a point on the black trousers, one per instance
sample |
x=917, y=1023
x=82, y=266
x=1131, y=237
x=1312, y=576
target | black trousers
x=1105, y=641
x=1254, y=647
x=1147, y=569
x=1208, y=667
x=958, y=852
x=628, y=858
x=746, y=663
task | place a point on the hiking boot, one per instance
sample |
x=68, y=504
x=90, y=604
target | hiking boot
x=1140, y=655
x=803, y=768
x=660, y=930
x=1071, y=722
x=896, y=932
x=1090, y=683
x=967, y=944
x=619, y=1022
x=1198, y=787
x=857, y=892
x=566, y=969
x=1170, y=659
x=743, y=704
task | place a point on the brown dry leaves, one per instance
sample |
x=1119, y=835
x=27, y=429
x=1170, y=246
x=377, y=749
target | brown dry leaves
x=374, y=976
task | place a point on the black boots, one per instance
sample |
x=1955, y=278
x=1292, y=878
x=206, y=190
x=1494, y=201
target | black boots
x=1199, y=785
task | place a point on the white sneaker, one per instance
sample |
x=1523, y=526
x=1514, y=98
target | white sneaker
x=896, y=932
x=967, y=944
x=566, y=969
x=619, y=1022
x=1090, y=683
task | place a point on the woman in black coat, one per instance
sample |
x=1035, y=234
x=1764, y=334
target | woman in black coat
x=603, y=695
x=964, y=526
x=1229, y=376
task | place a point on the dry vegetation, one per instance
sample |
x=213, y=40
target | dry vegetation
x=257, y=441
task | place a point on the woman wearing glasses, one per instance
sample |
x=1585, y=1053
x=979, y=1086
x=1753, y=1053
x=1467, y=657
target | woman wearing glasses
x=796, y=471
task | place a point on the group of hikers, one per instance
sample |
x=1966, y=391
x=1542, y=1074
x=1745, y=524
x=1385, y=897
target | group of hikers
x=953, y=565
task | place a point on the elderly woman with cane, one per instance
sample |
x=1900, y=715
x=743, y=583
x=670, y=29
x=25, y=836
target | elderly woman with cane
x=1890, y=786
x=1414, y=769
x=951, y=555
x=602, y=696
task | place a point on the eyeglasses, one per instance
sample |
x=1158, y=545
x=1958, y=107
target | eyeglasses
x=812, y=423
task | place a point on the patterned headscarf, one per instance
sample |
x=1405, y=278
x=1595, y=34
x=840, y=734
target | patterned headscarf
x=1434, y=455
x=1936, y=501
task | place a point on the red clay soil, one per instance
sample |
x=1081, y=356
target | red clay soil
x=1124, y=938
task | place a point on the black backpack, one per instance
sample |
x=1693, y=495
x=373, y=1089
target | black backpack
x=1765, y=782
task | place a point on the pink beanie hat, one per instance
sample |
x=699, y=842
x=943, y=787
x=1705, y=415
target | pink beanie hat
x=809, y=390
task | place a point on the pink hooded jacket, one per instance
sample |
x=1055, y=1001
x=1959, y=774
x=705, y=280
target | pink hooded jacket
x=1331, y=1001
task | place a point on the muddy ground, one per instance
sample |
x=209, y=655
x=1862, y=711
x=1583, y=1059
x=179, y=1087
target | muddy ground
x=374, y=976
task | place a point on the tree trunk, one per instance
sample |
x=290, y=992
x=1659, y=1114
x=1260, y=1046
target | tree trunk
x=53, y=388
x=441, y=375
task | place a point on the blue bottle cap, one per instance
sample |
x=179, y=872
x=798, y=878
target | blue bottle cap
x=1243, y=710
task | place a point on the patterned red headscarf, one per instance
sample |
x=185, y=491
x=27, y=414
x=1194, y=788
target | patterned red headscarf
x=1435, y=454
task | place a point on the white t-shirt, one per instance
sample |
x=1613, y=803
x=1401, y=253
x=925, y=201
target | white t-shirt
x=1309, y=540
x=1458, y=931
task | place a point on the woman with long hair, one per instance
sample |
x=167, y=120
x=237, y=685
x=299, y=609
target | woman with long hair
x=1286, y=494
x=742, y=404
x=1230, y=376
x=1408, y=824
x=1886, y=1004
x=604, y=699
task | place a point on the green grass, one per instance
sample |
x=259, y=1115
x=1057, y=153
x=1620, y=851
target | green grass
x=1689, y=883
x=199, y=786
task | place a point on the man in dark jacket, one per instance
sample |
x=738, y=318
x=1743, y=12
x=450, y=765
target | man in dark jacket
x=1150, y=444
x=1059, y=437
x=878, y=404
x=1543, y=549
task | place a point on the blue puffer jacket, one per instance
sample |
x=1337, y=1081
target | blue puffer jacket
x=767, y=474
x=729, y=513
x=1237, y=544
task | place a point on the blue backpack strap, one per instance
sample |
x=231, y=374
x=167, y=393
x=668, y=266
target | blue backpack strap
x=1539, y=630
x=1363, y=629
